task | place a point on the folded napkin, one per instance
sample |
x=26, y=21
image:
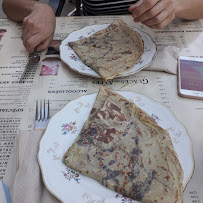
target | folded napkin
x=166, y=60
x=28, y=185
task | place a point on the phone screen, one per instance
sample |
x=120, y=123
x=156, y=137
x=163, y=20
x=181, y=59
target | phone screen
x=191, y=73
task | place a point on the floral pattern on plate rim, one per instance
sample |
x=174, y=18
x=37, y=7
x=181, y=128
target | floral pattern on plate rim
x=80, y=105
x=155, y=117
x=71, y=174
x=53, y=151
x=176, y=135
x=69, y=128
x=74, y=57
x=89, y=199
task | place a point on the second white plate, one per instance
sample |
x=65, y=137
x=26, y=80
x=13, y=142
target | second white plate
x=69, y=57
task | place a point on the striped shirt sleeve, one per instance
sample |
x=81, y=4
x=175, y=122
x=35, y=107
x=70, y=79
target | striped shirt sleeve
x=106, y=7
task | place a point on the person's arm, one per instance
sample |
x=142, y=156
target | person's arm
x=17, y=10
x=157, y=14
x=38, y=22
x=189, y=9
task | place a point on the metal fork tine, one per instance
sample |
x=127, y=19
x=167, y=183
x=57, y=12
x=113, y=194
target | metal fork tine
x=36, y=113
x=44, y=111
x=47, y=111
x=42, y=114
x=40, y=118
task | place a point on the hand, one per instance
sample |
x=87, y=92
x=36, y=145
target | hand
x=38, y=27
x=155, y=14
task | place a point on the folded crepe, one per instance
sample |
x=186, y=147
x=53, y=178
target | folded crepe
x=124, y=149
x=112, y=51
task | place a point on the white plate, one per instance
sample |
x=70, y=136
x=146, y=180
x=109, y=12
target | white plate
x=63, y=128
x=69, y=57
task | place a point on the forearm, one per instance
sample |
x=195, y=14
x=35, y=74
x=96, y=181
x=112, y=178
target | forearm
x=189, y=9
x=17, y=10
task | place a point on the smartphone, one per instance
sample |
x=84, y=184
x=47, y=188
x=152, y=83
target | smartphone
x=190, y=77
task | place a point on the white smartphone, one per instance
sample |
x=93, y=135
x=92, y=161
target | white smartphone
x=190, y=77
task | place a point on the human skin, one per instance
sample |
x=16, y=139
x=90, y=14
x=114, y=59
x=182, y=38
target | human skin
x=38, y=22
x=157, y=14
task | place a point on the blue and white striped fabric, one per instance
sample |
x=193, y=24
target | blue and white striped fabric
x=5, y=196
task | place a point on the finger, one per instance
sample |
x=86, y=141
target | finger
x=33, y=42
x=158, y=8
x=44, y=45
x=145, y=6
x=28, y=35
x=28, y=32
x=29, y=29
x=24, y=22
x=24, y=33
x=25, y=27
x=132, y=7
x=160, y=17
x=163, y=24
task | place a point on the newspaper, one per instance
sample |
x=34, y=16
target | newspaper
x=61, y=85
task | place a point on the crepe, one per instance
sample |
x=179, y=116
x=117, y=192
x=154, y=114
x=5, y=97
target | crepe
x=112, y=51
x=124, y=149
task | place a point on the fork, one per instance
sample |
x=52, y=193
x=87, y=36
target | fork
x=42, y=114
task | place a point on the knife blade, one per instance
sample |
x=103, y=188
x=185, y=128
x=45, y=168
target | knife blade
x=33, y=60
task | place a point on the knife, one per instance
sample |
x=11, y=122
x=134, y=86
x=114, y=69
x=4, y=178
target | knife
x=33, y=60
